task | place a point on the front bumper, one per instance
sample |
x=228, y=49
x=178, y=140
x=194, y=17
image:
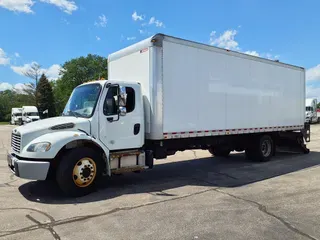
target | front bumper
x=34, y=170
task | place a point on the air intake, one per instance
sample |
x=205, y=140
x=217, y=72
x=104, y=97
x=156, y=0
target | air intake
x=62, y=126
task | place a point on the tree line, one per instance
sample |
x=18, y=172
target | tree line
x=53, y=95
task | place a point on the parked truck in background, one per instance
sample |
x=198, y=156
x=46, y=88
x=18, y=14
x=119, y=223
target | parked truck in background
x=16, y=116
x=166, y=95
x=311, y=110
x=30, y=114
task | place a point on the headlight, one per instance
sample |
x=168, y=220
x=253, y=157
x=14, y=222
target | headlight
x=39, y=147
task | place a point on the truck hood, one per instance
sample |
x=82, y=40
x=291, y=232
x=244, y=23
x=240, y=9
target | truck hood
x=33, y=130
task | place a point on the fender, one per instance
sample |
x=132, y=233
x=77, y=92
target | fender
x=58, y=140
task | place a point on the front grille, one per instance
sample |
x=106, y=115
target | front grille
x=16, y=142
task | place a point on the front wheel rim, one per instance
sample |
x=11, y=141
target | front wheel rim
x=266, y=148
x=84, y=172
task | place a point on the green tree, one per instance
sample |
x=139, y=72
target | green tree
x=75, y=72
x=34, y=72
x=13, y=99
x=45, y=97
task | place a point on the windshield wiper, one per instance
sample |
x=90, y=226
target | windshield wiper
x=76, y=114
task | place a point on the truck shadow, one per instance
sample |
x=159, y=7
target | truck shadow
x=232, y=172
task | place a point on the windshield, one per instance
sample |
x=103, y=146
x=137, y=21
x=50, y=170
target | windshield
x=83, y=101
x=309, y=109
x=18, y=114
x=32, y=114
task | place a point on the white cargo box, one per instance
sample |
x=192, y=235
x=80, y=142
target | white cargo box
x=191, y=89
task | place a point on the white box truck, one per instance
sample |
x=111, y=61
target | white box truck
x=16, y=116
x=30, y=114
x=166, y=95
x=311, y=110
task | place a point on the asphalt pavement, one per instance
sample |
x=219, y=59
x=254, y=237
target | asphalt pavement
x=188, y=196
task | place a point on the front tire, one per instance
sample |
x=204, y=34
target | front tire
x=78, y=172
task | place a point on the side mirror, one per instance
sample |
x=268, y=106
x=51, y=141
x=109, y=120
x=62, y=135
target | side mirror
x=122, y=96
x=122, y=111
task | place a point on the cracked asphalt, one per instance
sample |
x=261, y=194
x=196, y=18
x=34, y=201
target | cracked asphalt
x=188, y=196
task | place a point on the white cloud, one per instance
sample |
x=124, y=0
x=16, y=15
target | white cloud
x=21, y=88
x=158, y=23
x=18, y=88
x=63, y=20
x=141, y=31
x=253, y=53
x=313, y=74
x=313, y=92
x=52, y=72
x=5, y=86
x=67, y=6
x=22, y=69
x=17, y=5
x=17, y=55
x=98, y=38
x=4, y=60
x=270, y=56
x=131, y=38
x=225, y=40
x=102, y=21
x=137, y=17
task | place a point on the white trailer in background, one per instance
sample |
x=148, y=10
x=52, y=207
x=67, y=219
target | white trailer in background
x=166, y=95
x=30, y=114
x=311, y=110
x=16, y=116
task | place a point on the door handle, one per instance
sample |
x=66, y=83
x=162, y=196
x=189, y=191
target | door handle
x=136, y=128
x=110, y=119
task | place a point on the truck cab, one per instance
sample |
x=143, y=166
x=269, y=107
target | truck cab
x=311, y=110
x=30, y=114
x=16, y=116
x=101, y=130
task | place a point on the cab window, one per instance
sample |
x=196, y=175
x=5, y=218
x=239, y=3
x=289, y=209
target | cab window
x=110, y=106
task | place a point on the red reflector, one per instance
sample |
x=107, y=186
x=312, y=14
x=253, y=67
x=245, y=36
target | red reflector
x=143, y=50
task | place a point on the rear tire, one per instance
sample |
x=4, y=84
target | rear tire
x=79, y=171
x=261, y=149
x=219, y=152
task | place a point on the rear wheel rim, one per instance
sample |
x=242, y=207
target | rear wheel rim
x=266, y=148
x=84, y=172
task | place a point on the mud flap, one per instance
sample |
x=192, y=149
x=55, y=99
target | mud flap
x=294, y=141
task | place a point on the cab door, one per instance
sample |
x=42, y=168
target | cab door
x=119, y=132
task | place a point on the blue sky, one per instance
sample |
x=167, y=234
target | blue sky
x=51, y=32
